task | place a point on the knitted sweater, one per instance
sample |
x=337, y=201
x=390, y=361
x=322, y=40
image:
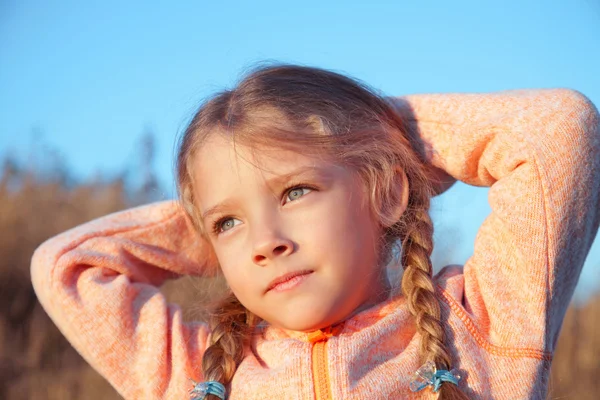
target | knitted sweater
x=538, y=150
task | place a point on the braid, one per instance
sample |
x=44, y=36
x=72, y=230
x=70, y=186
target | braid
x=417, y=286
x=231, y=326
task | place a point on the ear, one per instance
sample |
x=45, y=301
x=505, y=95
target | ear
x=400, y=191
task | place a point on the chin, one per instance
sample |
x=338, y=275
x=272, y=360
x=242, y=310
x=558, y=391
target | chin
x=303, y=325
x=306, y=318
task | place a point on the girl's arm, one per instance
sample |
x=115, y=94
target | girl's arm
x=539, y=150
x=99, y=284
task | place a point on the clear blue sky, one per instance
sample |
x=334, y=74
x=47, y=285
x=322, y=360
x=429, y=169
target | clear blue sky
x=89, y=77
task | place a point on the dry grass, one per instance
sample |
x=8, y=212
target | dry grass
x=36, y=362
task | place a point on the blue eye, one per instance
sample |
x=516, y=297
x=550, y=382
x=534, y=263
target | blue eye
x=297, y=192
x=225, y=224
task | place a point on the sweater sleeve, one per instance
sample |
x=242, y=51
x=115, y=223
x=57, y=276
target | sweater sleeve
x=99, y=284
x=539, y=151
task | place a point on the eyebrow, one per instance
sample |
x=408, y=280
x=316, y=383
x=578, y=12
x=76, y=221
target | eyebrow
x=276, y=181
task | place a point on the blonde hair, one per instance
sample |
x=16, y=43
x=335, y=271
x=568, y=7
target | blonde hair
x=325, y=114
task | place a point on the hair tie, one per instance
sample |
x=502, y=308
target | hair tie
x=203, y=389
x=428, y=374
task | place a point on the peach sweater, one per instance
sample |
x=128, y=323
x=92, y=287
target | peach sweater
x=539, y=150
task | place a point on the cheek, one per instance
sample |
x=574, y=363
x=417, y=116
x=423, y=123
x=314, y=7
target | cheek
x=232, y=262
x=240, y=284
x=349, y=218
x=343, y=230
x=241, y=275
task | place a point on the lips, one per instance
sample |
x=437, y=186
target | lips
x=287, y=277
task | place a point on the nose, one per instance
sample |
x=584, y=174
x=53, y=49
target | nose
x=269, y=246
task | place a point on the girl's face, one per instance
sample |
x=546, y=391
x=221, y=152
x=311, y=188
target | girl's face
x=282, y=214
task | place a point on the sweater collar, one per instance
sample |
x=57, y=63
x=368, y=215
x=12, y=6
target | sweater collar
x=353, y=324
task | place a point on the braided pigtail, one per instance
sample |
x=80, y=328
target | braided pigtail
x=417, y=286
x=231, y=328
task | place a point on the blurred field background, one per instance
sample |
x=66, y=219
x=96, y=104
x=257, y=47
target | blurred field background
x=36, y=362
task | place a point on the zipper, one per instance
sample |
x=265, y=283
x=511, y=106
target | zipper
x=320, y=366
x=320, y=371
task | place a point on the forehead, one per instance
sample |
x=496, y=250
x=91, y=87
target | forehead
x=220, y=168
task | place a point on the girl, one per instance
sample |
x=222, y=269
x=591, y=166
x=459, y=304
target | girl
x=302, y=187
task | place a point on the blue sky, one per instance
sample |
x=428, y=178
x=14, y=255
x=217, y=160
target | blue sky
x=89, y=77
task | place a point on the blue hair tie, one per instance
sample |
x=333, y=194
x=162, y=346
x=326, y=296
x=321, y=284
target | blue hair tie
x=203, y=389
x=428, y=374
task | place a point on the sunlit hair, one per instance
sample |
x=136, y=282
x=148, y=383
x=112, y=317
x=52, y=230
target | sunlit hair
x=324, y=114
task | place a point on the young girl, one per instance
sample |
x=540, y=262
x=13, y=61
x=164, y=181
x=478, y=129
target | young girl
x=304, y=187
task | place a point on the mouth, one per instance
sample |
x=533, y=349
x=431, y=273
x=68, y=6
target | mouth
x=288, y=281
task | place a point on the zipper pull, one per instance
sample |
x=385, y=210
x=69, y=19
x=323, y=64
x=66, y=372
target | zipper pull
x=321, y=335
